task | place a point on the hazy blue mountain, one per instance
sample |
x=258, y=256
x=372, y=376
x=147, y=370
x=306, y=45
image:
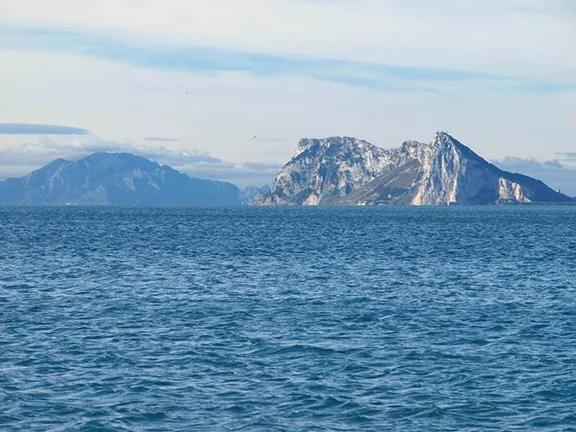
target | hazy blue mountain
x=114, y=179
x=353, y=172
x=249, y=193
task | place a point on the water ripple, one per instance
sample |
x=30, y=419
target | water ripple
x=137, y=319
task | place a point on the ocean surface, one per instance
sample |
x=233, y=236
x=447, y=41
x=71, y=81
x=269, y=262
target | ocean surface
x=288, y=319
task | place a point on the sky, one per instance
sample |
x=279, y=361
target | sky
x=224, y=89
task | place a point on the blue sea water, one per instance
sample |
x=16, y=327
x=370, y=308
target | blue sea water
x=284, y=319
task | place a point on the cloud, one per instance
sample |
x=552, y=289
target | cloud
x=263, y=166
x=39, y=129
x=190, y=58
x=415, y=33
x=269, y=140
x=554, y=173
x=245, y=174
x=568, y=155
x=162, y=139
x=225, y=110
x=44, y=149
x=19, y=160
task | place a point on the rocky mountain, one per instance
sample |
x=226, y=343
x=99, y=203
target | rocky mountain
x=250, y=193
x=353, y=172
x=322, y=170
x=114, y=179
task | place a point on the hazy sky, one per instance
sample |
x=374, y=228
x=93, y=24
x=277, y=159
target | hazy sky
x=193, y=82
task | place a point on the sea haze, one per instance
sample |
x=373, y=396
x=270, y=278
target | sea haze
x=325, y=319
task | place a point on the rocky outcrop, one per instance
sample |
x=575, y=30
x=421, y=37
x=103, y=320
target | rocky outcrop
x=322, y=171
x=250, y=193
x=346, y=171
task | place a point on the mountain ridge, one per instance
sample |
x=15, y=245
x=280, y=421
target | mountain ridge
x=114, y=179
x=327, y=171
x=442, y=172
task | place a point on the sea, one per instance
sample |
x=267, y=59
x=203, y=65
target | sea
x=288, y=319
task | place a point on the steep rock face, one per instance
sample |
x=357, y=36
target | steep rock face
x=445, y=171
x=114, y=179
x=324, y=170
x=453, y=173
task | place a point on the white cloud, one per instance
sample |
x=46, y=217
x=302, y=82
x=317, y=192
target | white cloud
x=527, y=37
x=223, y=111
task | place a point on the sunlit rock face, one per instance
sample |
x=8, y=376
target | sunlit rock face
x=347, y=171
x=325, y=170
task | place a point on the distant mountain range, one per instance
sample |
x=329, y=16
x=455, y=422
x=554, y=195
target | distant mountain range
x=331, y=171
x=115, y=179
x=347, y=171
